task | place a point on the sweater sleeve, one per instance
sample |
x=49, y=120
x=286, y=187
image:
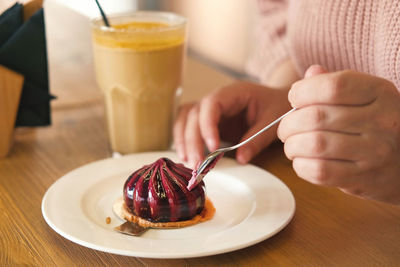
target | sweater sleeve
x=271, y=45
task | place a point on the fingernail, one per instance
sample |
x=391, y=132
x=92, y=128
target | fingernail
x=244, y=156
x=211, y=144
x=309, y=72
x=314, y=70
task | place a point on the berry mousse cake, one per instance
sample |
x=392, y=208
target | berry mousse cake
x=156, y=196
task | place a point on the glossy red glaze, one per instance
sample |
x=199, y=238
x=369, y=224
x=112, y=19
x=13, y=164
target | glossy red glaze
x=157, y=192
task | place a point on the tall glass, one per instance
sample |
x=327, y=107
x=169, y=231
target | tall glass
x=138, y=63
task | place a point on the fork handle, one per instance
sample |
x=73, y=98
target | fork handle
x=263, y=129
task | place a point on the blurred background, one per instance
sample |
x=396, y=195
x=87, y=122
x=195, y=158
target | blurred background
x=221, y=34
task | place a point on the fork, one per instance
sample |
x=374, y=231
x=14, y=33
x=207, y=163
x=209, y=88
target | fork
x=212, y=158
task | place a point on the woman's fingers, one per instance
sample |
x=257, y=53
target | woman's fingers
x=345, y=133
x=196, y=125
x=327, y=172
x=326, y=145
x=368, y=150
x=209, y=117
x=193, y=141
x=226, y=101
x=202, y=122
x=179, y=131
x=336, y=88
x=345, y=119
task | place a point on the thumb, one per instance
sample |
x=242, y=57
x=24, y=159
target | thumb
x=314, y=70
x=245, y=153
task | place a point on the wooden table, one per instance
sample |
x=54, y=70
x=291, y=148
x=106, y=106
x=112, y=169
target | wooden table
x=329, y=228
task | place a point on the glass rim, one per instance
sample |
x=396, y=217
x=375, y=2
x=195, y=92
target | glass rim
x=97, y=22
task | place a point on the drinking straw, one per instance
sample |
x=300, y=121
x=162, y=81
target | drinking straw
x=103, y=14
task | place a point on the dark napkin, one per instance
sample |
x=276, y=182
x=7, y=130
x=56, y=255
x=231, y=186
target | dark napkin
x=23, y=49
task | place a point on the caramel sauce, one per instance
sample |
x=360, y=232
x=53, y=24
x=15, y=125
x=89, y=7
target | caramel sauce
x=122, y=211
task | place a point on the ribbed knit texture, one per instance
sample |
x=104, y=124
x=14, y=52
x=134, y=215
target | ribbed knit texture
x=362, y=35
x=271, y=40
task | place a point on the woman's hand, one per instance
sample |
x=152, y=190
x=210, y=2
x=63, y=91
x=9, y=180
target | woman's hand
x=233, y=113
x=346, y=133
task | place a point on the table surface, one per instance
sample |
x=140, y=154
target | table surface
x=329, y=228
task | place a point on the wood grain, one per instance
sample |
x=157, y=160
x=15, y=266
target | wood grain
x=10, y=91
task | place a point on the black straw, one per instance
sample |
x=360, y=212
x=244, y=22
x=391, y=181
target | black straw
x=103, y=14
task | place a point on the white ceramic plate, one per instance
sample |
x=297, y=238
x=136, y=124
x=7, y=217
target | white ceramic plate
x=251, y=206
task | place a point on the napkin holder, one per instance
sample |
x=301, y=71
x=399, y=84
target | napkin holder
x=11, y=84
x=10, y=92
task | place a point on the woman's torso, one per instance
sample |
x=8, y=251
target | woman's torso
x=363, y=35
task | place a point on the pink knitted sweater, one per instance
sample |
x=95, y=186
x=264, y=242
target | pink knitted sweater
x=362, y=35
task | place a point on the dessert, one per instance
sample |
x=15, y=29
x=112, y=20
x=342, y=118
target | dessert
x=156, y=196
